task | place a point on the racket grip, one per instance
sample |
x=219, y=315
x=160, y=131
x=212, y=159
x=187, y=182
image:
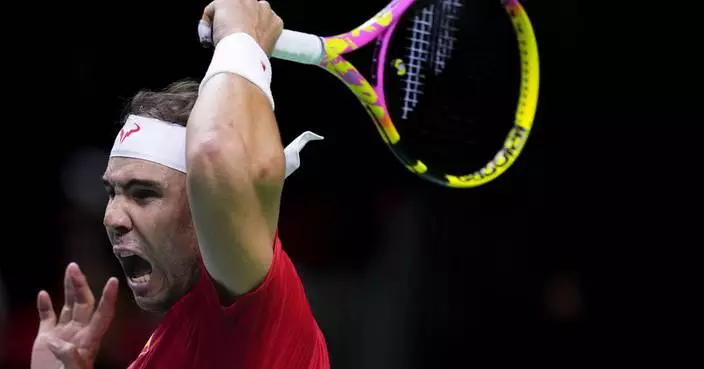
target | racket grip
x=294, y=46
x=299, y=47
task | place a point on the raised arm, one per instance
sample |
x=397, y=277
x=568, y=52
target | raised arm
x=234, y=152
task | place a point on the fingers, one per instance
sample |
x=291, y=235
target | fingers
x=205, y=26
x=102, y=318
x=69, y=296
x=79, y=301
x=84, y=302
x=266, y=11
x=66, y=352
x=47, y=316
x=205, y=33
x=271, y=27
x=208, y=13
x=250, y=16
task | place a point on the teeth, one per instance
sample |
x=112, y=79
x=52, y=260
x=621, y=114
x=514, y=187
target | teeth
x=142, y=279
x=125, y=253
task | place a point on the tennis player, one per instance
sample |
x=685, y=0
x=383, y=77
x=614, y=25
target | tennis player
x=194, y=181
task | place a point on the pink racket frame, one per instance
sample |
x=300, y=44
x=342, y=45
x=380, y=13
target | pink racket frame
x=380, y=25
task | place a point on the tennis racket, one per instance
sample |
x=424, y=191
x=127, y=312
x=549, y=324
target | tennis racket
x=440, y=79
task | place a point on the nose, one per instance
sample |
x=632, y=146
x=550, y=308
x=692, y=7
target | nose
x=116, y=219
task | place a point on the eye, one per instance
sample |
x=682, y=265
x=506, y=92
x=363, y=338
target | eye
x=142, y=194
x=110, y=191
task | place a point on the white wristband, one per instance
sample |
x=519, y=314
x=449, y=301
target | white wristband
x=240, y=54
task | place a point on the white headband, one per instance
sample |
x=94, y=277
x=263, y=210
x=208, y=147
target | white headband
x=165, y=143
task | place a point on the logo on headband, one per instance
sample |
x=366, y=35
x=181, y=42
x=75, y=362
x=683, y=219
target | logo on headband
x=126, y=133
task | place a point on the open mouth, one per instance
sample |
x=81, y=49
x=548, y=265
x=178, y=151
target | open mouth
x=136, y=268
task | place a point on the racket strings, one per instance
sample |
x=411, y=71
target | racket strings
x=444, y=24
x=417, y=55
x=457, y=99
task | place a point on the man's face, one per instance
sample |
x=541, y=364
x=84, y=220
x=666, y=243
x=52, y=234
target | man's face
x=149, y=225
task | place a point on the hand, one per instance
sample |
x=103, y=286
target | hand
x=250, y=16
x=73, y=341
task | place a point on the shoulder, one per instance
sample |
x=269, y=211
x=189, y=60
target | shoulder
x=274, y=314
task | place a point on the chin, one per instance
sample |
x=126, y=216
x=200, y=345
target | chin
x=155, y=293
x=156, y=301
x=151, y=305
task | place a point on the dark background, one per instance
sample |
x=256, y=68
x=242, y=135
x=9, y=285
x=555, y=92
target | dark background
x=564, y=260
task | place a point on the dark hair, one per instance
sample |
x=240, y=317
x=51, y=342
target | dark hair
x=171, y=104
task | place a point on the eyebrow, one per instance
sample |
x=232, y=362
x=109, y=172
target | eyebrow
x=135, y=182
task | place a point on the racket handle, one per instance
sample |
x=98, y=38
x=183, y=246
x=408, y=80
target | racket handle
x=299, y=47
x=294, y=46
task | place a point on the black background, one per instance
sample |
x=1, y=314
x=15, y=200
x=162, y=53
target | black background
x=595, y=202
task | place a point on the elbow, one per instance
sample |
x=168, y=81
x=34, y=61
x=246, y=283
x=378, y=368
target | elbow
x=215, y=158
x=268, y=168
